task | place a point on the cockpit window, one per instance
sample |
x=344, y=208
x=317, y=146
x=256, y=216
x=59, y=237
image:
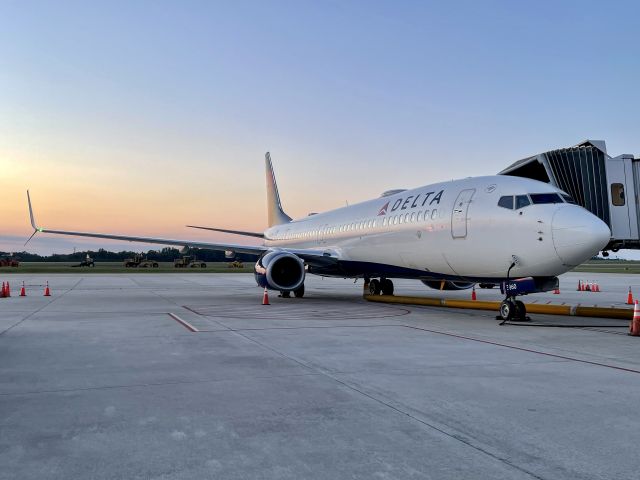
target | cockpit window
x=568, y=199
x=522, y=201
x=539, y=198
x=506, y=202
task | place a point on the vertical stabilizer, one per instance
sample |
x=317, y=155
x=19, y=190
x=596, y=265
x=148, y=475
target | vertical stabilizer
x=274, y=209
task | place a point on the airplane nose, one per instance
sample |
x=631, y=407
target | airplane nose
x=578, y=235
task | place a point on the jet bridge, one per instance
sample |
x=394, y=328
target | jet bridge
x=606, y=186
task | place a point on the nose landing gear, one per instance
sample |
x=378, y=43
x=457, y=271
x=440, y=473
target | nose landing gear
x=512, y=309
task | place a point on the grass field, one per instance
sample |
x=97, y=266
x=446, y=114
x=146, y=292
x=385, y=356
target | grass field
x=117, y=267
x=611, y=266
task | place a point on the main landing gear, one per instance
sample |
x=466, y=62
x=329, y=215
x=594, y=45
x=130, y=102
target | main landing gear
x=383, y=286
x=299, y=293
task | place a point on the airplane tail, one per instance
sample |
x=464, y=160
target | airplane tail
x=276, y=215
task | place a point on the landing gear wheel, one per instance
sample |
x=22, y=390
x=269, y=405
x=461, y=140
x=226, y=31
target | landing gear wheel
x=374, y=287
x=521, y=311
x=299, y=293
x=285, y=294
x=387, y=287
x=507, y=310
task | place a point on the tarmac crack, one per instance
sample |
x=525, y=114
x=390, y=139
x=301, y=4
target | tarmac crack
x=154, y=384
x=387, y=403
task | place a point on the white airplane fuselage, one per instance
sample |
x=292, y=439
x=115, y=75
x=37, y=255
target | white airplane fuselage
x=453, y=229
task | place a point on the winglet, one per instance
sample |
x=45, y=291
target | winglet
x=276, y=215
x=33, y=222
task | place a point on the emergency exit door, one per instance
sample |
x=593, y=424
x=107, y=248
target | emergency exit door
x=459, y=215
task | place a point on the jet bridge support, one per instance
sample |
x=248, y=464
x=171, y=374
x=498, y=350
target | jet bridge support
x=606, y=186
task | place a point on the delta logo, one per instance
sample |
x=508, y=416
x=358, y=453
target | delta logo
x=412, y=201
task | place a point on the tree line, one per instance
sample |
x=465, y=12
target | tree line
x=167, y=254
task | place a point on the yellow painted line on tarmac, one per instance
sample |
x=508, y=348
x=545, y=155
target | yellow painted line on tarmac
x=546, y=309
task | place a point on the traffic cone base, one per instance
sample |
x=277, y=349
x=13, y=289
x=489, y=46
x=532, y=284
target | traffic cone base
x=634, y=327
x=265, y=297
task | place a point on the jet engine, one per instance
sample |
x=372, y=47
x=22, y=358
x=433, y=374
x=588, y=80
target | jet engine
x=447, y=285
x=281, y=271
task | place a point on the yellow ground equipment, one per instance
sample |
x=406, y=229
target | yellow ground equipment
x=188, y=261
x=140, y=261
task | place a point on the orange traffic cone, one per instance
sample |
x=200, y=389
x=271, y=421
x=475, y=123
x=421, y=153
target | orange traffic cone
x=557, y=290
x=8, y=291
x=23, y=292
x=3, y=291
x=579, y=285
x=596, y=287
x=588, y=287
x=47, y=293
x=473, y=294
x=265, y=297
x=630, y=297
x=634, y=326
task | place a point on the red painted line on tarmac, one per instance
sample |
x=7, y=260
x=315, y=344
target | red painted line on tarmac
x=522, y=349
x=184, y=323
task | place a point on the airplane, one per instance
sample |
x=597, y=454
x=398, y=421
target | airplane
x=516, y=232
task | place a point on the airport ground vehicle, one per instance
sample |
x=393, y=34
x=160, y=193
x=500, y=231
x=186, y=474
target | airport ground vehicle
x=9, y=262
x=236, y=264
x=188, y=261
x=87, y=262
x=140, y=261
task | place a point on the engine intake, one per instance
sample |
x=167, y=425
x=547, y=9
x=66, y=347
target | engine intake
x=281, y=271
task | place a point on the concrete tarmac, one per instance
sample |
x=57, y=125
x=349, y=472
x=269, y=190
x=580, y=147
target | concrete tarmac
x=99, y=381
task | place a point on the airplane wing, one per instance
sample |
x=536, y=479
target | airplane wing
x=235, y=232
x=312, y=256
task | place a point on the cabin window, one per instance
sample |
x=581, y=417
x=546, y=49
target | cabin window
x=395, y=219
x=426, y=215
x=506, y=202
x=522, y=201
x=400, y=219
x=406, y=218
x=617, y=194
x=413, y=217
x=384, y=222
x=434, y=214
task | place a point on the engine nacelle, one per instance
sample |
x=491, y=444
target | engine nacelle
x=447, y=285
x=281, y=271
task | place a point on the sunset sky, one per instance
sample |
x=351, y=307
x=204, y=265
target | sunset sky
x=140, y=117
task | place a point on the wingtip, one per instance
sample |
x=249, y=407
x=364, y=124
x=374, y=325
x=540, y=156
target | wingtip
x=33, y=222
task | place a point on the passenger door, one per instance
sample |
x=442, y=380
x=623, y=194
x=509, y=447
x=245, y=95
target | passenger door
x=459, y=214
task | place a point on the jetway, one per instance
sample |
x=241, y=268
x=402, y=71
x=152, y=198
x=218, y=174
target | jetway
x=606, y=186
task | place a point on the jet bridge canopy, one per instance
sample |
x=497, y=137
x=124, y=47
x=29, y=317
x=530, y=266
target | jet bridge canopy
x=606, y=186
